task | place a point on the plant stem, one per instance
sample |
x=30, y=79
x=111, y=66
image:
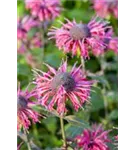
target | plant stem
x=83, y=63
x=105, y=102
x=63, y=132
x=27, y=142
x=24, y=138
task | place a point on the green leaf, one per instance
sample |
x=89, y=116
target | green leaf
x=78, y=14
x=50, y=123
x=112, y=96
x=76, y=121
x=20, y=9
x=97, y=100
x=103, y=80
x=53, y=58
x=72, y=131
x=114, y=114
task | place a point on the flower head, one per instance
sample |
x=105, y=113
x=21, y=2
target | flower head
x=94, y=139
x=111, y=42
x=24, y=25
x=55, y=88
x=106, y=7
x=24, y=110
x=44, y=9
x=29, y=43
x=73, y=37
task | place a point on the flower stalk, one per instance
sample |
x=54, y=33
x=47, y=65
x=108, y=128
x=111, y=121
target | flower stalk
x=63, y=133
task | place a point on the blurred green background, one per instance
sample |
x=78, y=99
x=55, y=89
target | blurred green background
x=104, y=97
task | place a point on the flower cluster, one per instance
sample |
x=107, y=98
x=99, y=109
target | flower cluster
x=57, y=89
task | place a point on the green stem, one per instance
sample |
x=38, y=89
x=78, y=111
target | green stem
x=63, y=133
x=105, y=103
x=83, y=63
x=24, y=138
x=42, y=31
x=27, y=142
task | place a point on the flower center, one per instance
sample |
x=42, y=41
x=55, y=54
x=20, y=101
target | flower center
x=21, y=102
x=79, y=31
x=91, y=143
x=64, y=79
x=106, y=41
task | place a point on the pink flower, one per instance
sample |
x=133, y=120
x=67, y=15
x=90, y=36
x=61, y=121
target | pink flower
x=30, y=43
x=36, y=41
x=24, y=110
x=44, y=9
x=106, y=7
x=111, y=42
x=82, y=38
x=94, y=139
x=24, y=25
x=55, y=88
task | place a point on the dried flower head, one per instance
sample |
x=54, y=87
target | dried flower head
x=80, y=38
x=55, y=88
x=94, y=139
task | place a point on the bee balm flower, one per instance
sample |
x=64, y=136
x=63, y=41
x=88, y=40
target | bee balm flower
x=55, y=88
x=24, y=25
x=94, y=139
x=112, y=43
x=106, y=7
x=73, y=37
x=44, y=9
x=24, y=111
